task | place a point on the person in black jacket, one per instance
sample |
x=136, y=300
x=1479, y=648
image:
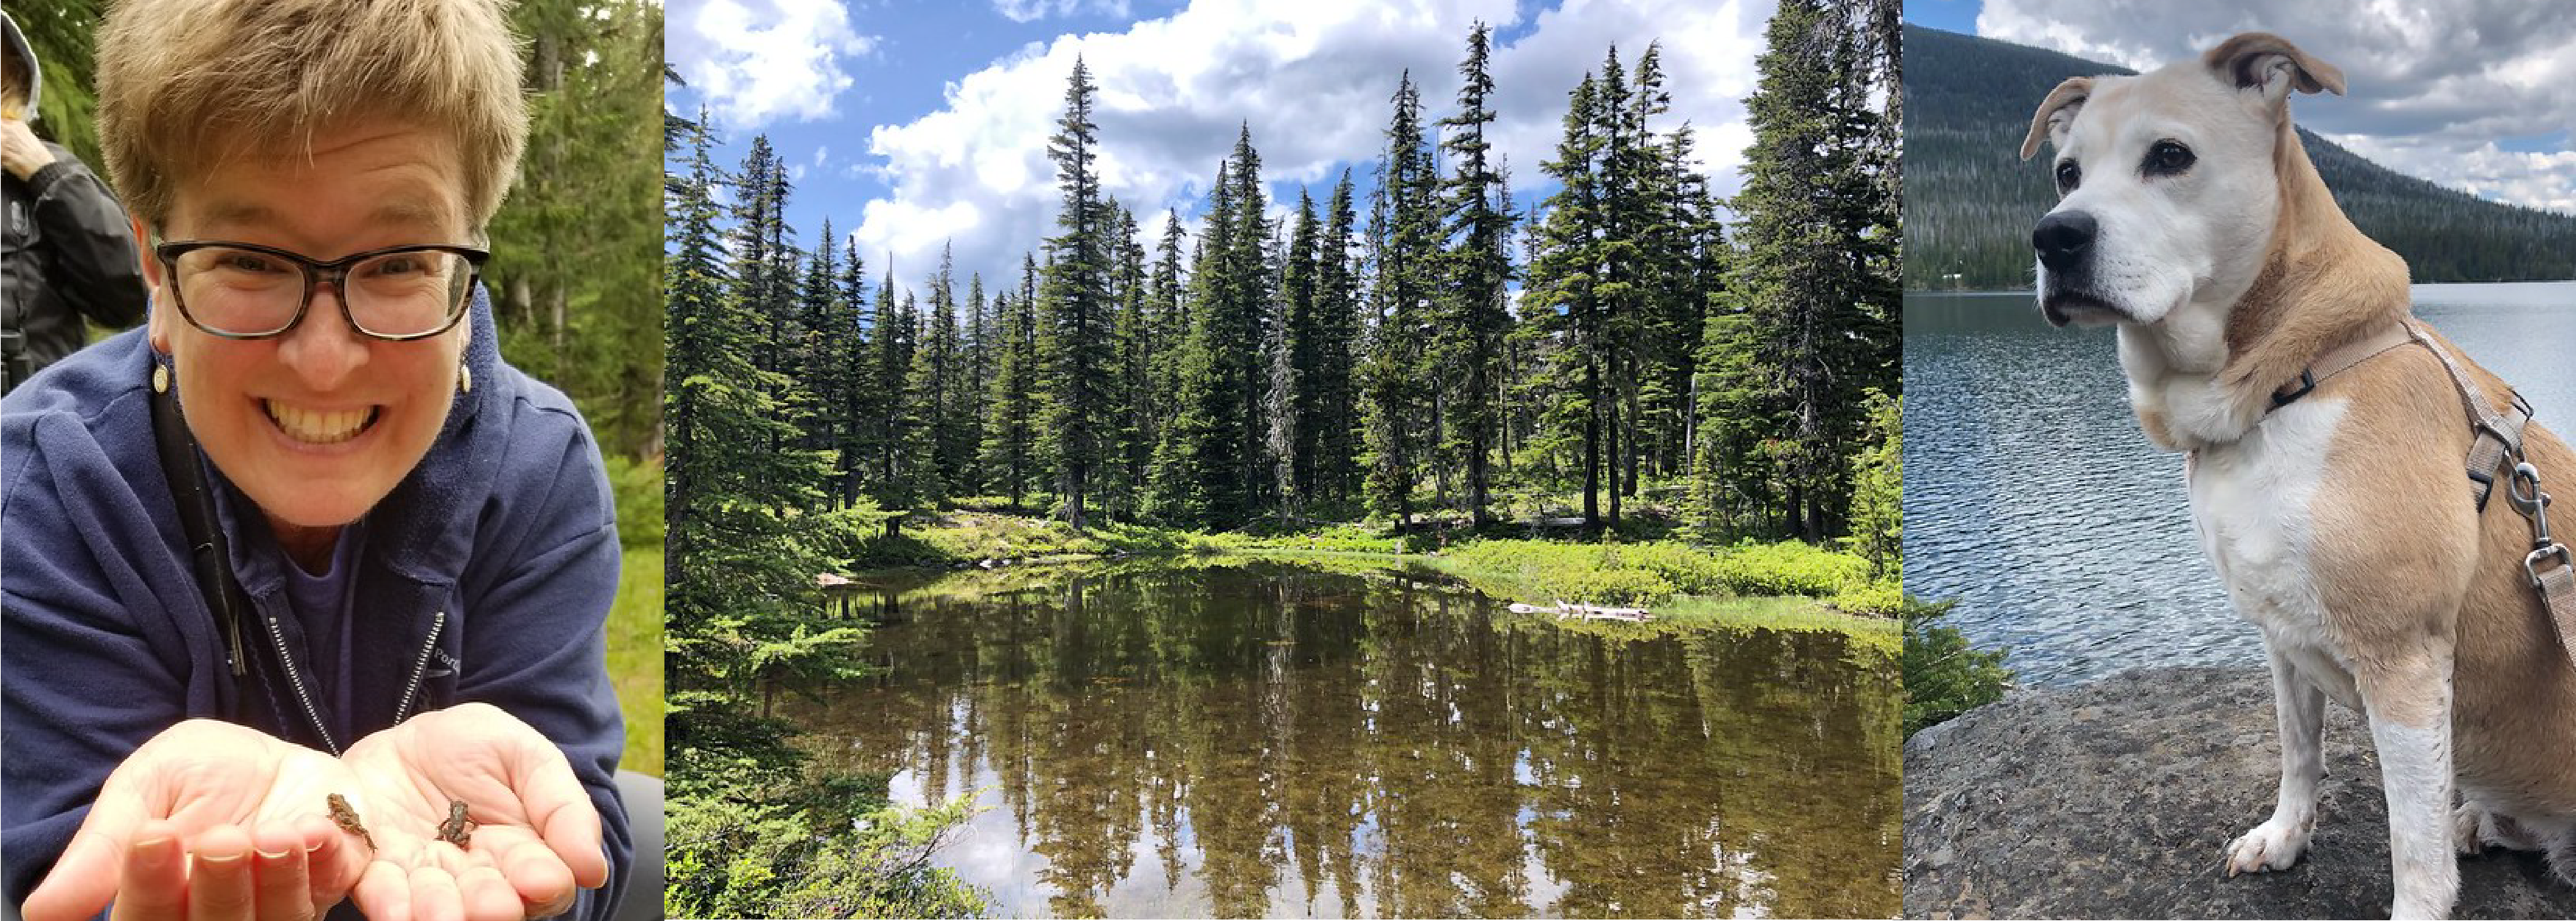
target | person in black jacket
x=68, y=251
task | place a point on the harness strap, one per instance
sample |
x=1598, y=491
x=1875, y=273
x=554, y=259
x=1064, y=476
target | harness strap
x=2499, y=432
x=2339, y=360
x=2550, y=565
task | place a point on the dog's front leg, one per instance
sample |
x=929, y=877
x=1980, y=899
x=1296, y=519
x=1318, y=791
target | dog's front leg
x=2410, y=725
x=2301, y=711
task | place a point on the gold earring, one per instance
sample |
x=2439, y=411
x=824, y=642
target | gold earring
x=160, y=378
x=464, y=379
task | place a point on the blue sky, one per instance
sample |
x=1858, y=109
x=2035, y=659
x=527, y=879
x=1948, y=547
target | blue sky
x=910, y=124
x=2471, y=94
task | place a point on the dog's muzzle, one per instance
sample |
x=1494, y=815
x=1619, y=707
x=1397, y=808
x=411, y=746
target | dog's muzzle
x=2064, y=240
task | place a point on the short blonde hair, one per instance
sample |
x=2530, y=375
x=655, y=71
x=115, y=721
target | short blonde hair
x=185, y=85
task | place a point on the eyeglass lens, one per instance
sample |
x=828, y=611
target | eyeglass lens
x=248, y=292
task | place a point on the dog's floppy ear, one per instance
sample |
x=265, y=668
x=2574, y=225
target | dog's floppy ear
x=2262, y=60
x=2050, y=121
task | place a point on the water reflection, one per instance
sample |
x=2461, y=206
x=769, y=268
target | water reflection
x=1265, y=740
x=2033, y=500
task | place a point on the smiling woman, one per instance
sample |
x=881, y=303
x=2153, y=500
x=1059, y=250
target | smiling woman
x=304, y=580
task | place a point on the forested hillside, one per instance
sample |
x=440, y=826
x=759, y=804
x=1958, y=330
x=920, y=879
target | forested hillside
x=1971, y=200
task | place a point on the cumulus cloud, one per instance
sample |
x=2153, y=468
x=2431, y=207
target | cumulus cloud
x=1029, y=10
x=2431, y=91
x=1311, y=80
x=760, y=61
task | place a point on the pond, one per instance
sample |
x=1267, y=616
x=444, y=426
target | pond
x=2033, y=500
x=1265, y=739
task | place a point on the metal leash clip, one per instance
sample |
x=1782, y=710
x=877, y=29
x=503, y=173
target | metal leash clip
x=2523, y=490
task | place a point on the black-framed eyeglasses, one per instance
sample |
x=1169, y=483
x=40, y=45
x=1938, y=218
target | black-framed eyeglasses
x=248, y=291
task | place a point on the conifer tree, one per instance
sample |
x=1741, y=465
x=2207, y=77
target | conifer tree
x=1405, y=245
x=1816, y=267
x=858, y=382
x=1010, y=436
x=1469, y=339
x=1337, y=323
x=1076, y=348
x=1564, y=306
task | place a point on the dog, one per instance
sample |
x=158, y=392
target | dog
x=2329, y=499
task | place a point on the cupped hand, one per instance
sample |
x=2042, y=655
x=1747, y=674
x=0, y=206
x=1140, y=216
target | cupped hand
x=536, y=837
x=208, y=821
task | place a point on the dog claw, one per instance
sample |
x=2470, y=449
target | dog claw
x=2273, y=845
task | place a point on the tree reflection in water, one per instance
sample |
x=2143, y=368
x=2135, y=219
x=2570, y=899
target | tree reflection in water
x=1259, y=739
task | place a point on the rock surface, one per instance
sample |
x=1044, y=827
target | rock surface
x=2115, y=799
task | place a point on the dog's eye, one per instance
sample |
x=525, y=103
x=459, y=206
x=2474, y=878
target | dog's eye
x=2069, y=176
x=2167, y=158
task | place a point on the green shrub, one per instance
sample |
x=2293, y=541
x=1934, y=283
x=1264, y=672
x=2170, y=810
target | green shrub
x=1944, y=676
x=1789, y=568
x=1877, y=599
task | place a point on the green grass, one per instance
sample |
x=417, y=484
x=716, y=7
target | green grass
x=1783, y=585
x=635, y=657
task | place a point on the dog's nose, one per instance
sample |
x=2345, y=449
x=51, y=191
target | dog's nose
x=2062, y=238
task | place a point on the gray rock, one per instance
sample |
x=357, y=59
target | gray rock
x=2115, y=799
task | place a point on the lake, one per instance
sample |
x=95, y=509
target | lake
x=2032, y=498
x=1263, y=739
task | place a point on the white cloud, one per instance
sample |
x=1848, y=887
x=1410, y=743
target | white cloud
x=1312, y=79
x=759, y=61
x=1029, y=10
x=2430, y=91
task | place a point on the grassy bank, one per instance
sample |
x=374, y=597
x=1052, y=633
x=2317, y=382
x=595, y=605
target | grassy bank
x=635, y=658
x=1785, y=585
x=635, y=618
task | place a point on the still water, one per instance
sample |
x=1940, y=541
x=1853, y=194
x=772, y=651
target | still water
x=2032, y=498
x=1261, y=739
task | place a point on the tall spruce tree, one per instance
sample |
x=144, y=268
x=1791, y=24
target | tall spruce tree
x=1565, y=309
x=1405, y=244
x=1076, y=342
x=1336, y=435
x=1469, y=340
x=1815, y=271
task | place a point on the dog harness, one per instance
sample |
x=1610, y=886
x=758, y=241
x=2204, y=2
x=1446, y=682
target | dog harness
x=2498, y=447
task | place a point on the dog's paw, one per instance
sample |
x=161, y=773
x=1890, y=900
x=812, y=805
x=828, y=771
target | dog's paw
x=2273, y=845
x=2475, y=828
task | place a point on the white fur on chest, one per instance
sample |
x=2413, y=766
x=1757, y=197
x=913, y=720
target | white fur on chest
x=2253, y=502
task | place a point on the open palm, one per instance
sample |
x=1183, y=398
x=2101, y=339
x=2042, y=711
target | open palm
x=536, y=835
x=199, y=787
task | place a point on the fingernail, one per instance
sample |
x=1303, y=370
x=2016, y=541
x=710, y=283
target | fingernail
x=273, y=858
x=220, y=863
x=156, y=852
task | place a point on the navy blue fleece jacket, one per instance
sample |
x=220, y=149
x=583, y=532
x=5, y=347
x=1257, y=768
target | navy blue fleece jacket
x=486, y=575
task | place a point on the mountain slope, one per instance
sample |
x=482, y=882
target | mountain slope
x=1970, y=201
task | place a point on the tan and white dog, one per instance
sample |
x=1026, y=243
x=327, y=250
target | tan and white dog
x=2192, y=219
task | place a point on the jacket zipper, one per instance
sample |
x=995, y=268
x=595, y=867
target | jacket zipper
x=295, y=680
x=411, y=689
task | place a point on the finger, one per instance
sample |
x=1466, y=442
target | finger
x=384, y=892
x=154, y=882
x=544, y=884
x=220, y=887
x=488, y=897
x=84, y=879
x=333, y=864
x=284, y=889
x=562, y=811
x=434, y=896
